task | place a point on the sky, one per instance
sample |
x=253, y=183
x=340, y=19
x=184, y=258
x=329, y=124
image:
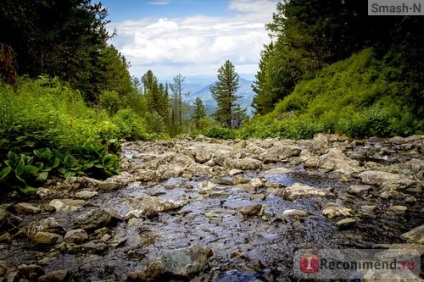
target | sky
x=190, y=37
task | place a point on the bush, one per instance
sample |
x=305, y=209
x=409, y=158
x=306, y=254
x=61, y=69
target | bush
x=130, y=125
x=220, y=132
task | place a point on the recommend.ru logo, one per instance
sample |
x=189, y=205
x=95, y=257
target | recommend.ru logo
x=357, y=263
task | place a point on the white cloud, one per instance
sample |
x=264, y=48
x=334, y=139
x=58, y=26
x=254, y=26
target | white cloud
x=197, y=44
x=159, y=2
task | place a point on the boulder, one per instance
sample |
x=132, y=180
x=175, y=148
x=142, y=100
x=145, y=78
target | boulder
x=331, y=210
x=25, y=208
x=302, y=191
x=180, y=263
x=335, y=160
x=358, y=189
x=250, y=210
x=293, y=213
x=243, y=164
x=55, y=276
x=46, y=238
x=346, y=223
x=415, y=235
x=279, y=153
x=77, y=236
x=67, y=204
x=151, y=206
x=386, y=181
x=93, y=219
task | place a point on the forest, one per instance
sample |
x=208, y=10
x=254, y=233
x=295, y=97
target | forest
x=67, y=98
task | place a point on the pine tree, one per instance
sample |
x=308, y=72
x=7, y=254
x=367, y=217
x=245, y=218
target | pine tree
x=177, y=105
x=199, y=112
x=224, y=92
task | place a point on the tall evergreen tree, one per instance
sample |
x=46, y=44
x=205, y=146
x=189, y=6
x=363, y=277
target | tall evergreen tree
x=224, y=92
x=199, y=112
x=177, y=104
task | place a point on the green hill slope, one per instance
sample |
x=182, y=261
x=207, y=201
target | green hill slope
x=358, y=97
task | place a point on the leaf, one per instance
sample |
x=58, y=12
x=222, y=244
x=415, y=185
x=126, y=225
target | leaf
x=69, y=174
x=70, y=161
x=42, y=177
x=5, y=172
x=28, y=190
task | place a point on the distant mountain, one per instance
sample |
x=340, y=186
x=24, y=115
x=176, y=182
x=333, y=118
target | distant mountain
x=203, y=92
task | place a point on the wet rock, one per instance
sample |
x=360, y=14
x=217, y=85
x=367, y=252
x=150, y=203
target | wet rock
x=415, y=235
x=234, y=172
x=294, y=213
x=49, y=225
x=256, y=183
x=206, y=186
x=250, y=210
x=278, y=170
x=302, y=191
x=331, y=210
x=243, y=164
x=6, y=268
x=279, y=153
x=55, y=276
x=111, y=184
x=67, y=204
x=46, y=238
x=6, y=238
x=183, y=263
x=386, y=181
x=346, y=223
x=368, y=209
x=77, y=236
x=335, y=160
x=358, y=189
x=31, y=272
x=399, y=209
x=93, y=219
x=75, y=183
x=86, y=194
x=145, y=175
x=151, y=206
x=25, y=208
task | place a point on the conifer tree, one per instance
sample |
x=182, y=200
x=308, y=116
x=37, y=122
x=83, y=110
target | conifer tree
x=224, y=92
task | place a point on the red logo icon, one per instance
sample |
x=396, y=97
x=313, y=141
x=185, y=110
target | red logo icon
x=309, y=263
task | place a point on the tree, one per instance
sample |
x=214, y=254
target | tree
x=63, y=38
x=177, y=105
x=199, y=112
x=224, y=92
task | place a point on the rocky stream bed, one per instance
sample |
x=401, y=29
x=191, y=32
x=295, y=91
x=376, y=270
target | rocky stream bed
x=213, y=210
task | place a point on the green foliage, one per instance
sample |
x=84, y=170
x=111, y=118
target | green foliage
x=109, y=100
x=220, y=132
x=130, y=125
x=360, y=97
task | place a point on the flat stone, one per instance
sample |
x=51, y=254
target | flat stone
x=93, y=219
x=55, y=276
x=26, y=208
x=415, y=235
x=250, y=210
x=302, y=191
x=256, y=183
x=294, y=213
x=67, y=204
x=86, y=194
x=46, y=238
x=331, y=210
x=77, y=236
x=399, y=209
x=358, y=189
x=346, y=223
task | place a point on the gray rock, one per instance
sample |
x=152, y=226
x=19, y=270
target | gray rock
x=185, y=262
x=110, y=184
x=93, y=219
x=243, y=164
x=55, y=276
x=335, y=160
x=386, y=181
x=67, y=204
x=25, y=208
x=31, y=272
x=358, y=189
x=152, y=206
x=280, y=152
x=415, y=235
x=86, y=194
x=46, y=238
x=6, y=268
x=331, y=210
x=346, y=223
x=250, y=210
x=77, y=236
x=294, y=213
x=302, y=191
x=256, y=183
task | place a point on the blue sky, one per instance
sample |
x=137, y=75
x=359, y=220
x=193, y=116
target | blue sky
x=190, y=37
